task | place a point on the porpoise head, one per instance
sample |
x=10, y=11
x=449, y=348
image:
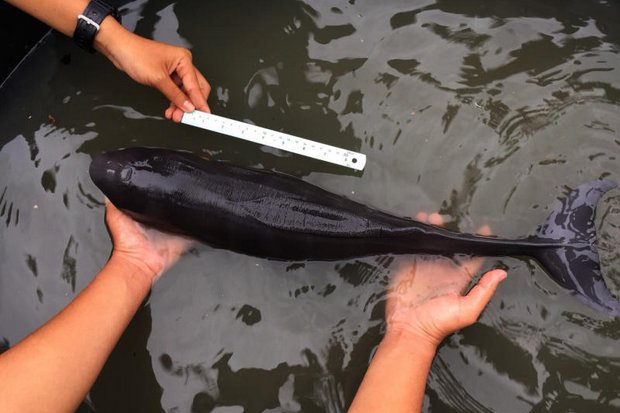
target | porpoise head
x=133, y=180
x=112, y=171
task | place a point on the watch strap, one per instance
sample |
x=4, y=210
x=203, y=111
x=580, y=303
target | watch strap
x=88, y=23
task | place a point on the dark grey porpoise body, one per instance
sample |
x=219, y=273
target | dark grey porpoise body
x=271, y=215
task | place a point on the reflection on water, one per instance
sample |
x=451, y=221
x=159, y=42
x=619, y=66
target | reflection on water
x=486, y=111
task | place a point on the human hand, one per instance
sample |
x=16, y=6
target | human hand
x=426, y=298
x=162, y=66
x=148, y=249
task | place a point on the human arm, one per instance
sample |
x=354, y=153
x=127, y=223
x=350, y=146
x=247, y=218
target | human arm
x=425, y=304
x=162, y=66
x=396, y=378
x=73, y=346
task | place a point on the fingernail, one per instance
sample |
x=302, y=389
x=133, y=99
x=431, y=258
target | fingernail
x=188, y=107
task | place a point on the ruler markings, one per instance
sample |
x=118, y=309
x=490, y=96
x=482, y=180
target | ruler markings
x=279, y=140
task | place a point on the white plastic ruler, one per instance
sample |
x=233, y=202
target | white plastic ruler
x=279, y=140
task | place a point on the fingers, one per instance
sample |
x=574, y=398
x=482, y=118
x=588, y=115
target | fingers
x=172, y=108
x=174, y=113
x=474, y=302
x=181, y=86
x=437, y=219
x=167, y=86
x=112, y=216
x=187, y=73
x=198, y=99
x=167, y=68
x=115, y=218
x=205, y=88
x=473, y=264
x=110, y=209
x=168, y=113
x=185, y=86
x=433, y=219
x=484, y=230
x=193, y=83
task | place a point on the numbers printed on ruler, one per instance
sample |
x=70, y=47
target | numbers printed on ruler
x=275, y=139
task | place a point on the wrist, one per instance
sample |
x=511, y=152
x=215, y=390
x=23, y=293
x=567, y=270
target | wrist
x=409, y=342
x=132, y=268
x=112, y=36
x=90, y=21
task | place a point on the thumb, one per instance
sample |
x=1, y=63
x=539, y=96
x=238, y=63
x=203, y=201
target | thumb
x=479, y=296
x=175, y=94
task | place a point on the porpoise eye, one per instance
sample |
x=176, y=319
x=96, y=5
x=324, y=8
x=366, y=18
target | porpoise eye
x=125, y=174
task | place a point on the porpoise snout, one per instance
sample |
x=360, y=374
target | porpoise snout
x=109, y=170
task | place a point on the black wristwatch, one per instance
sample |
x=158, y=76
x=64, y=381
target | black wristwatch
x=88, y=23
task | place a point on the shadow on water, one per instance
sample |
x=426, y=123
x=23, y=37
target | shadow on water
x=487, y=111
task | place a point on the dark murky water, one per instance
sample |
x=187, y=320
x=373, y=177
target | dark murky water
x=485, y=110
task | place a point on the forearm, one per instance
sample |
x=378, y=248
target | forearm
x=56, y=365
x=396, y=378
x=59, y=14
x=165, y=67
x=62, y=16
